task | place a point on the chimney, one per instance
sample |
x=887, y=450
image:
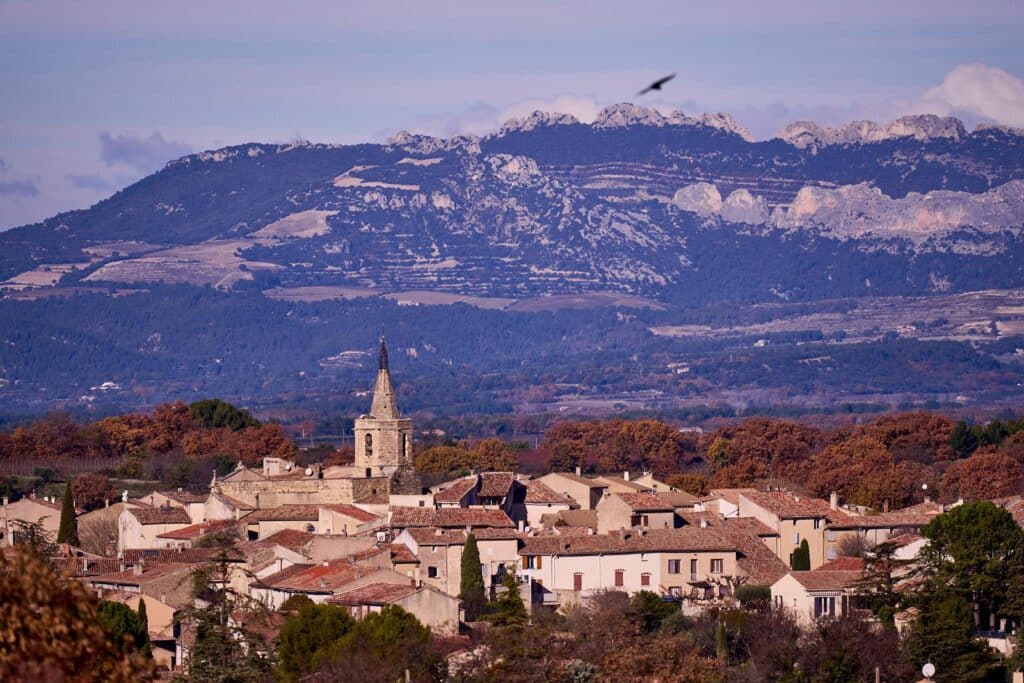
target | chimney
x=325, y=561
x=833, y=500
x=885, y=505
x=625, y=475
x=120, y=565
x=579, y=471
x=106, y=502
x=590, y=531
x=703, y=523
x=85, y=564
x=137, y=568
x=124, y=496
x=5, y=501
x=522, y=525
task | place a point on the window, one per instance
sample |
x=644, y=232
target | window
x=831, y=535
x=716, y=566
x=693, y=570
x=817, y=524
x=644, y=520
x=533, y=562
x=431, y=572
x=401, y=444
x=778, y=601
x=577, y=582
x=310, y=528
x=369, y=472
x=645, y=579
x=796, y=538
x=675, y=566
x=620, y=578
x=824, y=607
x=368, y=441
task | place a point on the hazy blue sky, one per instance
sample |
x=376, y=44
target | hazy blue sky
x=96, y=94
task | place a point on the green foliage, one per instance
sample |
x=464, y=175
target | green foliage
x=68, y=530
x=295, y=603
x=877, y=589
x=471, y=584
x=508, y=609
x=308, y=635
x=33, y=536
x=943, y=634
x=382, y=647
x=128, y=628
x=800, y=559
x=963, y=440
x=977, y=550
x=754, y=596
x=213, y=412
x=651, y=610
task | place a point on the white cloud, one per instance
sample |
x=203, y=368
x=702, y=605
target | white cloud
x=977, y=91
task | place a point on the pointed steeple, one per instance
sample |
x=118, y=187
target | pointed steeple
x=384, y=406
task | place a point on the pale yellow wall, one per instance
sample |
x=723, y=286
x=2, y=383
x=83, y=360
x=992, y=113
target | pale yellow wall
x=586, y=496
x=534, y=511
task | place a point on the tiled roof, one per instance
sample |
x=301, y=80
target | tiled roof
x=292, y=539
x=495, y=484
x=150, y=572
x=83, y=566
x=317, y=578
x=1014, y=505
x=263, y=623
x=132, y=556
x=883, y=520
x=436, y=536
x=243, y=474
x=667, y=540
x=729, y=495
x=198, y=530
x=645, y=502
x=400, y=554
x=787, y=506
x=352, y=511
x=374, y=594
x=185, y=497
x=456, y=491
x=539, y=493
x=825, y=581
x=619, y=481
x=161, y=515
x=677, y=499
x=284, y=513
x=904, y=539
x=404, y=517
x=580, y=518
x=592, y=483
x=853, y=564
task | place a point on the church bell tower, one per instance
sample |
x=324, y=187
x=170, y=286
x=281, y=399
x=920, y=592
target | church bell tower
x=383, y=439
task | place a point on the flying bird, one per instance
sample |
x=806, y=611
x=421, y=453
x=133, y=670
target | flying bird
x=656, y=85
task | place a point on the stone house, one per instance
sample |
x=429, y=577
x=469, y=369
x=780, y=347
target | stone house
x=30, y=510
x=434, y=609
x=628, y=510
x=168, y=582
x=141, y=527
x=319, y=582
x=348, y=520
x=439, y=552
x=584, y=492
x=538, y=500
x=794, y=518
x=810, y=595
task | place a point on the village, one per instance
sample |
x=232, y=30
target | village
x=369, y=535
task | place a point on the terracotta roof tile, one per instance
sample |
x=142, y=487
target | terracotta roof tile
x=645, y=502
x=352, y=511
x=401, y=554
x=404, y=517
x=161, y=515
x=843, y=564
x=787, y=506
x=667, y=540
x=495, y=484
x=577, y=518
x=198, y=530
x=149, y=573
x=374, y=594
x=132, y=556
x=884, y=520
x=284, y=513
x=436, y=536
x=317, y=578
x=729, y=495
x=456, y=491
x=292, y=539
x=612, y=480
x=828, y=580
x=539, y=493
x=592, y=483
x=185, y=497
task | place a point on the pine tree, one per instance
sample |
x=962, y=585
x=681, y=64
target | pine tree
x=471, y=586
x=68, y=531
x=509, y=607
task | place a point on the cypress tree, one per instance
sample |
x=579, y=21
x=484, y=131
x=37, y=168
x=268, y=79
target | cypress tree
x=471, y=585
x=142, y=634
x=800, y=559
x=68, y=531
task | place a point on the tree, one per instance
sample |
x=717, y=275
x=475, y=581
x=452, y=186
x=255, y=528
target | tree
x=68, y=530
x=471, y=583
x=650, y=610
x=307, y=635
x=91, y=490
x=50, y=628
x=753, y=596
x=214, y=413
x=877, y=588
x=943, y=634
x=800, y=559
x=492, y=454
x=443, y=459
x=977, y=551
x=986, y=474
x=962, y=439
x=509, y=610
x=128, y=628
x=696, y=484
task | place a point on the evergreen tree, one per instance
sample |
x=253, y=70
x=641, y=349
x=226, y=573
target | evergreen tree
x=963, y=439
x=943, y=634
x=142, y=635
x=800, y=559
x=509, y=608
x=68, y=531
x=471, y=586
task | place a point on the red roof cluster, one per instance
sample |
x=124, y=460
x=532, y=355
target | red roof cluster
x=405, y=517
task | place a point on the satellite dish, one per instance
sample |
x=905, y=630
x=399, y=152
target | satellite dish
x=928, y=670
x=309, y=471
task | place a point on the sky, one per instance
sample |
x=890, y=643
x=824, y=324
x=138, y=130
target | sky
x=95, y=95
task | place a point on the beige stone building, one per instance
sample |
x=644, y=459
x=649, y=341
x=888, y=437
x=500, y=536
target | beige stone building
x=29, y=510
x=626, y=510
x=142, y=527
x=811, y=595
x=434, y=609
x=586, y=493
x=794, y=518
x=439, y=552
x=383, y=463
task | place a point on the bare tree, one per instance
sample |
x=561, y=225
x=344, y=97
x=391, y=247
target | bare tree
x=98, y=535
x=852, y=546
